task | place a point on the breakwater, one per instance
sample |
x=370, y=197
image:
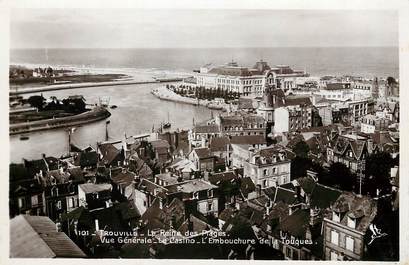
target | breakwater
x=83, y=85
x=96, y=114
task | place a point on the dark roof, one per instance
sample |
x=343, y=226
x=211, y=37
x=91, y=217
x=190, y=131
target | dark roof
x=86, y=159
x=361, y=207
x=155, y=217
x=233, y=71
x=109, y=153
x=160, y=144
x=124, y=177
x=36, y=237
x=245, y=103
x=222, y=177
x=206, y=129
x=203, y=152
x=246, y=186
x=297, y=223
x=323, y=196
x=219, y=143
x=248, y=139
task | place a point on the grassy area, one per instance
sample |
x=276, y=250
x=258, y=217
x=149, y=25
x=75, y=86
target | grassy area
x=36, y=116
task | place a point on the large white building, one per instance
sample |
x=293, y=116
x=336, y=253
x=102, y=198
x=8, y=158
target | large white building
x=248, y=81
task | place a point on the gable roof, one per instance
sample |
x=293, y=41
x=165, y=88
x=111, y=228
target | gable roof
x=109, y=153
x=202, y=152
x=36, y=237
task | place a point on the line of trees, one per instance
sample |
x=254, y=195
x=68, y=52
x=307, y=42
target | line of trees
x=203, y=93
x=376, y=176
x=70, y=105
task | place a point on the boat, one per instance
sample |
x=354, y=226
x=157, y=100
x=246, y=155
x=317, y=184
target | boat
x=24, y=137
x=167, y=124
x=114, y=106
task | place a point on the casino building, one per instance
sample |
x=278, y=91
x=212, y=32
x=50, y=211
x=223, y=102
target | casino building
x=248, y=81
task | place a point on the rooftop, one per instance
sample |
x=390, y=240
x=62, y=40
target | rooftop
x=91, y=187
x=36, y=237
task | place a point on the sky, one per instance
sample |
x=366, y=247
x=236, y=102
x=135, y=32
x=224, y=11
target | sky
x=200, y=28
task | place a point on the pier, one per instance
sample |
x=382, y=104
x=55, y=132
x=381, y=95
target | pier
x=19, y=91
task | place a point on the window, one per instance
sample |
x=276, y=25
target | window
x=288, y=252
x=21, y=202
x=350, y=243
x=196, y=195
x=265, y=183
x=334, y=237
x=265, y=172
x=59, y=205
x=336, y=216
x=209, y=206
x=210, y=193
x=334, y=255
x=70, y=203
x=34, y=200
x=351, y=222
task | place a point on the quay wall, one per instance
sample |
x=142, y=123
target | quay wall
x=166, y=94
x=96, y=114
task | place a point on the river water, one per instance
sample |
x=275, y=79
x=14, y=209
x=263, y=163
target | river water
x=138, y=111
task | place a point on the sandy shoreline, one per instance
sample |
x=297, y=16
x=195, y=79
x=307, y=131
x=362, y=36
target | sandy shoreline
x=134, y=74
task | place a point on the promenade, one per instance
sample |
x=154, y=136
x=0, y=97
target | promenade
x=166, y=94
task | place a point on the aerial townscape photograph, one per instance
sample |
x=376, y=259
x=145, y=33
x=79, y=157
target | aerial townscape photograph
x=230, y=134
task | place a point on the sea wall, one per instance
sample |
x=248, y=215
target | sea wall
x=96, y=114
x=166, y=94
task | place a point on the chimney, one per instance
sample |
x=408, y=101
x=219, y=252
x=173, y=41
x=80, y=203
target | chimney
x=206, y=175
x=58, y=227
x=314, y=216
x=370, y=146
x=308, y=235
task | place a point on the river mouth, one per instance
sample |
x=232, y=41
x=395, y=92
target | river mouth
x=137, y=112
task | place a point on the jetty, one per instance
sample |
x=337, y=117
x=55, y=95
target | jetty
x=19, y=91
x=96, y=114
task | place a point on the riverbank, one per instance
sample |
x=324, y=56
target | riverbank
x=166, y=94
x=96, y=114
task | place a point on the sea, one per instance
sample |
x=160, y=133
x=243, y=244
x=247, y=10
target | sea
x=140, y=112
x=318, y=61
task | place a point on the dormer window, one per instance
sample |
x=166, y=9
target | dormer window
x=336, y=217
x=351, y=222
x=196, y=195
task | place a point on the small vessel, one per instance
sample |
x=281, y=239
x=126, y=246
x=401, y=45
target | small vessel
x=24, y=137
x=167, y=124
x=114, y=106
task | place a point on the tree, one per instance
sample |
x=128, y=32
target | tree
x=377, y=172
x=301, y=149
x=36, y=102
x=341, y=176
x=391, y=81
x=299, y=167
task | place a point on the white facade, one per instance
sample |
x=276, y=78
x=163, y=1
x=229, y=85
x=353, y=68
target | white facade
x=336, y=94
x=281, y=120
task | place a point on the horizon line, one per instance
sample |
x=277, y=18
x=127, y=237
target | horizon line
x=237, y=47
